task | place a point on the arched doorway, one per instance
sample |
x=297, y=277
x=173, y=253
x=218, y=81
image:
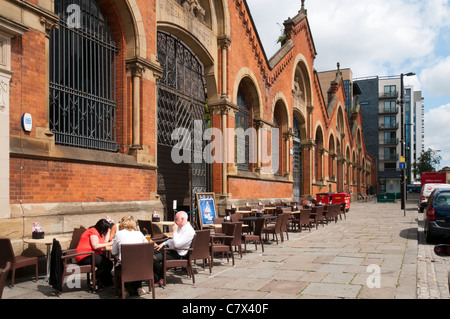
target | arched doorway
x=181, y=118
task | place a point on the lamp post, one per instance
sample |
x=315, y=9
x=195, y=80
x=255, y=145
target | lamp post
x=403, y=144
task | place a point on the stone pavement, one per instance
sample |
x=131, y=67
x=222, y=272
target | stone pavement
x=372, y=254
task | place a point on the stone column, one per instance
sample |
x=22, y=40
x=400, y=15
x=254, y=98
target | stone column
x=9, y=29
x=137, y=70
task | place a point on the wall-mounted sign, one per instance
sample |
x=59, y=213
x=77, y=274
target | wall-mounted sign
x=27, y=122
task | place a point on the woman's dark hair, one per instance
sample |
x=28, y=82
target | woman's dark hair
x=102, y=227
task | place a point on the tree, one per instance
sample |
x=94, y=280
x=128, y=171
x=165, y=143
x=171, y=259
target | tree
x=427, y=162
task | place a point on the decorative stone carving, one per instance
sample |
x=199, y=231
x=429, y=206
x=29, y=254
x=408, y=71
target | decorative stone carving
x=3, y=95
x=195, y=8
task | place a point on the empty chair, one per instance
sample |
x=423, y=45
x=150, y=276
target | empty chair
x=136, y=264
x=236, y=242
x=222, y=243
x=342, y=210
x=317, y=215
x=275, y=229
x=256, y=236
x=7, y=254
x=284, y=225
x=201, y=248
x=3, y=274
x=305, y=219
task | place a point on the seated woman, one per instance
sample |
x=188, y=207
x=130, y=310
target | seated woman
x=128, y=234
x=95, y=239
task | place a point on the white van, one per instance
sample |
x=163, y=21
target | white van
x=425, y=193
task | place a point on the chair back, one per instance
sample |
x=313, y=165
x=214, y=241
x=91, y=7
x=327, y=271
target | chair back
x=318, y=210
x=279, y=223
x=218, y=220
x=285, y=221
x=259, y=225
x=237, y=234
x=304, y=216
x=145, y=226
x=6, y=252
x=200, y=245
x=235, y=217
x=76, y=236
x=245, y=208
x=137, y=261
x=229, y=229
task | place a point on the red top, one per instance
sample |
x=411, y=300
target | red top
x=85, y=243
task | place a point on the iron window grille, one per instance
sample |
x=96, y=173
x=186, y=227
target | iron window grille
x=82, y=78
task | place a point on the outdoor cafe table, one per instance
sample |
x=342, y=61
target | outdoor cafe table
x=164, y=223
x=254, y=218
x=48, y=241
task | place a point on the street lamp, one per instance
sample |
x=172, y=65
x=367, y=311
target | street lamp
x=403, y=144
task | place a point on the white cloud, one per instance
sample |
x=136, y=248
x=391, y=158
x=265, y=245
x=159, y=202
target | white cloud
x=436, y=79
x=437, y=131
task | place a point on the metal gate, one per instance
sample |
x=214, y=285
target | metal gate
x=297, y=162
x=181, y=105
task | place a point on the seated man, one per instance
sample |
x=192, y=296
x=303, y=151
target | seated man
x=183, y=233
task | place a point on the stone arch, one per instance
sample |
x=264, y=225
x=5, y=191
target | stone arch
x=247, y=75
x=302, y=90
x=134, y=28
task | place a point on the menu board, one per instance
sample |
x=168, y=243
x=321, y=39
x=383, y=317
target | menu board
x=206, y=208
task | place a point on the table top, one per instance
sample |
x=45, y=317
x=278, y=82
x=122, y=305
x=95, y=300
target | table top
x=48, y=240
x=164, y=223
x=252, y=218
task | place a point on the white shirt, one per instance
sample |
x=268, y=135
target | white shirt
x=181, y=239
x=126, y=237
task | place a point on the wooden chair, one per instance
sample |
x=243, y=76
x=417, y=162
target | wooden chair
x=256, y=236
x=222, y=243
x=136, y=264
x=201, y=248
x=7, y=254
x=274, y=229
x=3, y=275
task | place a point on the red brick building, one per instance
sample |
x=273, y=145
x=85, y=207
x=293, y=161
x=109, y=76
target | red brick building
x=108, y=82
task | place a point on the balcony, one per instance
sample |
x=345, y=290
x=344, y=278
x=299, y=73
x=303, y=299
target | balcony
x=389, y=126
x=389, y=95
x=388, y=110
x=389, y=157
x=389, y=141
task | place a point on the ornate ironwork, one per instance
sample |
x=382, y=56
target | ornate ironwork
x=297, y=161
x=181, y=104
x=82, y=78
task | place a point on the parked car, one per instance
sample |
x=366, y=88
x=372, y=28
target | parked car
x=425, y=193
x=436, y=216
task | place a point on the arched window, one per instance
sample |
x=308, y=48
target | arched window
x=243, y=135
x=82, y=78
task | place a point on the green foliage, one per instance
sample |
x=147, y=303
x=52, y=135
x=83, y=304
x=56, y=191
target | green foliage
x=427, y=162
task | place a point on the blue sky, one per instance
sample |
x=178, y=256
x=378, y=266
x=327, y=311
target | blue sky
x=377, y=37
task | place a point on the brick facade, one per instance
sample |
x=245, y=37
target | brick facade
x=44, y=174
